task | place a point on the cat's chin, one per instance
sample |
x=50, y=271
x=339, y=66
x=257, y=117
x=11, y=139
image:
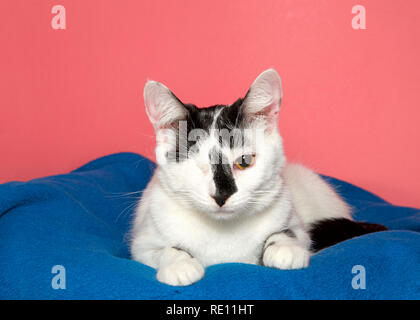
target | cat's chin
x=222, y=213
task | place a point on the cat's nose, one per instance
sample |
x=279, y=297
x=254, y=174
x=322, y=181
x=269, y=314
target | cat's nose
x=221, y=198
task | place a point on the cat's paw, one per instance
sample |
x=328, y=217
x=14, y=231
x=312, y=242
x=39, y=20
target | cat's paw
x=286, y=257
x=181, y=273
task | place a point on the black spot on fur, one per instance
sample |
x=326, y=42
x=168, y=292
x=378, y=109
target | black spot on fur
x=222, y=176
x=290, y=233
x=326, y=233
x=231, y=116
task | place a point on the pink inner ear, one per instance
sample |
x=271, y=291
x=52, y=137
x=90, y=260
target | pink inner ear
x=270, y=115
x=162, y=107
x=154, y=116
x=270, y=111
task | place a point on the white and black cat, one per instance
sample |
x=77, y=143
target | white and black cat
x=223, y=192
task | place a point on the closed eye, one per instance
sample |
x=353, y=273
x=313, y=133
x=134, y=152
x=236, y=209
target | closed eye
x=244, y=161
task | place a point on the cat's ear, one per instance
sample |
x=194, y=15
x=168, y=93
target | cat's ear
x=264, y=97
x=162, y=106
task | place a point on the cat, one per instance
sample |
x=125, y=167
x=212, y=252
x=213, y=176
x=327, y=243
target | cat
x=221, y=195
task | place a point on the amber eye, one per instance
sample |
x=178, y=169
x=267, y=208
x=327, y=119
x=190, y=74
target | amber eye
x=245, y=161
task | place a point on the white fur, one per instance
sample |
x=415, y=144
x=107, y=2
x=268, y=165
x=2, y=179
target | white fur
x=179, y=229
x=290, y=256
x=312, y=197
x=178, y=268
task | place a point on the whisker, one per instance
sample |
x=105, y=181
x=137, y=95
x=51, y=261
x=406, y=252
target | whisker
x=123, y=194
x=126, y=210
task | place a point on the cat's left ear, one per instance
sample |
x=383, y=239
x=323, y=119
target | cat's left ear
x=264, y=97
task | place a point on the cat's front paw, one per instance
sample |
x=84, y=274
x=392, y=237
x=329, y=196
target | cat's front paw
x=181, y=273
x=286, y=257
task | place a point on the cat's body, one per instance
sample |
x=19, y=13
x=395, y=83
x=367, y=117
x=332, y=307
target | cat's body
x=203, y=206
x=241, y=239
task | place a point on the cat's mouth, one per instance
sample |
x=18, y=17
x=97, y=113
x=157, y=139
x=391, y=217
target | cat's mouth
x=224, y=211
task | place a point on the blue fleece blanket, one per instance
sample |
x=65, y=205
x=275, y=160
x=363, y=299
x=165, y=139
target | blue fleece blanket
x=70, y=231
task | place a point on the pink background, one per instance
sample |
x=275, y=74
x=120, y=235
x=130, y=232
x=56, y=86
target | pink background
x=350, y=96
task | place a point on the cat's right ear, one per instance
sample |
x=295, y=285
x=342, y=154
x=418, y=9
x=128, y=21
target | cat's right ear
x=162, y=106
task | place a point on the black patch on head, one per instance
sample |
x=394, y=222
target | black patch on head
x=222, y=176
x=231, y=116
x=326, y=233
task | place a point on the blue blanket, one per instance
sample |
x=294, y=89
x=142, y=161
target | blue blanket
x=69, y=231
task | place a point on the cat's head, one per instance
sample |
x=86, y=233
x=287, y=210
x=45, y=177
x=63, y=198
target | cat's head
x=224, y=160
